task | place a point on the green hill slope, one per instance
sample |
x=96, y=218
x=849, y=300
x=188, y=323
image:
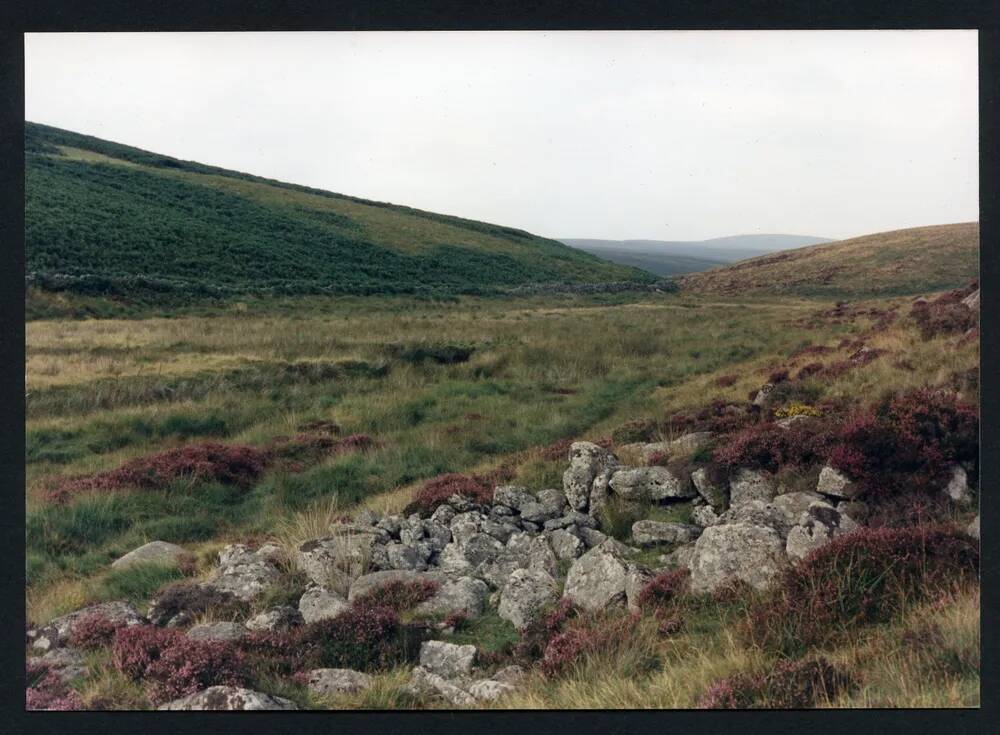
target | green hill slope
x=901, y=262
x=103, y=218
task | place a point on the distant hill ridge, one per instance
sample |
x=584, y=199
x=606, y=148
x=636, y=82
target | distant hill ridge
x=105, y=218
x=901, y=262
x=675, y=257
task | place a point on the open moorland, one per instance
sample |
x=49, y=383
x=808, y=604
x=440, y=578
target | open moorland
x=292, y=449
x=311, y=417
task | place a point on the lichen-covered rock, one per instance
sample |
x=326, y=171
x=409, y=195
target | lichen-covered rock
x=334, y=561
x=973, y=529
x=512, y=675
x=512, y=496
x=765, y=390
x=733, y=552
x=465, y=525
x=689, y=443
x=219, y=631
x=334, y=682
x=649, y=483
x=972, y=300
x=566, y=544
x=526, y=594
x=591, y=536
x=155, y=552
x=532, y=552
x=281, y=618
x=489, y=690
x=704, y=516
x=597, y=579
x=958, y=486
x=57, y=633
x=500, y=531
x=480, y=548
x=447, y=659
x=68, y=663
x=679, y=557
x=319, y=603
x=403, y=556
x=836, y=484
x=452, y=562
x=759, y=513
x=746, y=485
x=586, y=479
x=572, y=518
x=649, y=533
x=423, y=681
x=793, y=505
x=444, y=514
x=636, y=579
x=711, y=492
x=463, y=595
x=818, y=526
x=229, y=698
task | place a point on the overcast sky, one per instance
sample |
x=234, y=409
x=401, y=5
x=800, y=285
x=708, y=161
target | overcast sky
x=659, y=135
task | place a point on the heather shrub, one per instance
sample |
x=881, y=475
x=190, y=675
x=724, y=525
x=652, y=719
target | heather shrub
x=585, y=636
x=790, y=685
x=767, y=446
x=136, y=648
x=367, y=638
x=865, y=577
x=540, y=631
x=665, y=590
x=808, y=370
x=397, y=595
x=173, y=664
x=719, y=417
x=908, y=442
x=278, y=653
x=237, y=465
x=778, y=376
x=556, y=451
x=945, y=314
x=187, y=666
x=93, y=631
x=436, y=492
x=46, y=691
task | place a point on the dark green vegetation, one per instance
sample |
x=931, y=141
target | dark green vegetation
x=107, y=219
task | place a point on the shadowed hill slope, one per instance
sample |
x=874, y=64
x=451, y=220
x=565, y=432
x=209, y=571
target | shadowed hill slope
x=104, y=218
x=901, y=262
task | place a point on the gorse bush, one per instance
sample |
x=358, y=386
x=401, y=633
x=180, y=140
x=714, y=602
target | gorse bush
x=790, y=685
x=865, y=577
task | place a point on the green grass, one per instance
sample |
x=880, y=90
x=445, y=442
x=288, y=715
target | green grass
x=489, y=632
x=104, y=219
x=135, y=584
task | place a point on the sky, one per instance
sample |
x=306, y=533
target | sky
x=647, y=135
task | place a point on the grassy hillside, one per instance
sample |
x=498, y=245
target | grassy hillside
x=661, y=264
x=902, y=262
x=103, y=218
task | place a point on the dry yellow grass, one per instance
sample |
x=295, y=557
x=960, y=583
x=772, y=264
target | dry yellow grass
x=887, y=263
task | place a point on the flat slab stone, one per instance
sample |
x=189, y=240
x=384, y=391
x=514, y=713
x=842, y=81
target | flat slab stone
x=155, y=552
